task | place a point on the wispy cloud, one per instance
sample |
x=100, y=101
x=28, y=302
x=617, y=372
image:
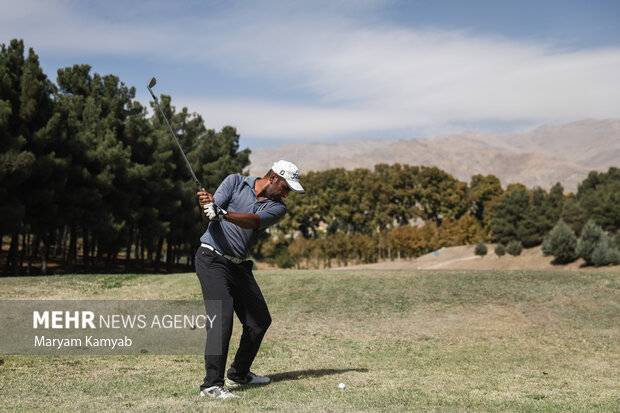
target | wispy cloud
x=282, y=121
x=341, y=75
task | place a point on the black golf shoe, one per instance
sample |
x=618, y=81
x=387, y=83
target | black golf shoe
x=251, y=378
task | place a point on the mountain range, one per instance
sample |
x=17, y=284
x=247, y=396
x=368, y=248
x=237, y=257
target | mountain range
x=541, y=157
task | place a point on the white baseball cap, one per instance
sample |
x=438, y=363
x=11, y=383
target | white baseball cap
x=290, y=172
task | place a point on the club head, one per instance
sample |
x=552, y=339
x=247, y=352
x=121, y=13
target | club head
x=152, y=83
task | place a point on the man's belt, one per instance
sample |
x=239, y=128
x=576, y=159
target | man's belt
x=228, y=257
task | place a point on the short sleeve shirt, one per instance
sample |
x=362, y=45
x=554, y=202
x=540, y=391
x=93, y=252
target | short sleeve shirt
x=236, y=194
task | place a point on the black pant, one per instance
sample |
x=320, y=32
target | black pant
x=235, y=287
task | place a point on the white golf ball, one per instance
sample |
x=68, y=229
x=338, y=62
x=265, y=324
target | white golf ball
x=341, y=386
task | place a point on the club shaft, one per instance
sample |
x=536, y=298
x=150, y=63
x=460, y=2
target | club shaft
x=191, y=170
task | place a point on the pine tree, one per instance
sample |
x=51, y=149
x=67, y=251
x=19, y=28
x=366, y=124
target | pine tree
x=562, y=243
x=573, y=214
x=93, y=111
x=599, y=196
x=15, y=161
x=554, y=204
x=533, y=226
x=591, y=236
x=613, y=257
x=509, y=213
x=27, y=159
x=38, y=193
x=600, y=255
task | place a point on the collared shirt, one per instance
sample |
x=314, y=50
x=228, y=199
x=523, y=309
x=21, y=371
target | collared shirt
x=236, y=194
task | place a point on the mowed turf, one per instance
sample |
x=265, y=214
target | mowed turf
x=400, y=340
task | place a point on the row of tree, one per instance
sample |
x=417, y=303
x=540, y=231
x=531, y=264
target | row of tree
x=400, y=211
x=83, y=166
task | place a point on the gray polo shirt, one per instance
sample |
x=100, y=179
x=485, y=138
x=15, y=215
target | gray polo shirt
x=236, y=194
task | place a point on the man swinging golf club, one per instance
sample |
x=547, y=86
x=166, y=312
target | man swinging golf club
x=240, y=208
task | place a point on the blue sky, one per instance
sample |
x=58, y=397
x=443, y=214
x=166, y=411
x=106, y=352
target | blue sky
x=301, y=71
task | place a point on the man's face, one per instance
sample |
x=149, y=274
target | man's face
x=277, y=188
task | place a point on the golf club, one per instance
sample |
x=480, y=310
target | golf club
x=151, y=84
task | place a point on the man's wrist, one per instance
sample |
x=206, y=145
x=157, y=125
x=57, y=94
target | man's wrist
x=222, y=213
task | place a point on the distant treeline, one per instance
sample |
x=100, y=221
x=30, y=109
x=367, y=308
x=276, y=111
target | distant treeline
x=401, y=211
x=91, y=183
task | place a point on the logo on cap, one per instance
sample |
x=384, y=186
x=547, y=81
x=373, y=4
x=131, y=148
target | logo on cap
x=290, y=172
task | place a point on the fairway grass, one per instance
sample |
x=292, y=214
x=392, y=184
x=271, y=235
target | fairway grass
x=401, y=341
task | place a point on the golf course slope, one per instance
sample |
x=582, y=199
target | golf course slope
x=400, y=340
x=464, y=258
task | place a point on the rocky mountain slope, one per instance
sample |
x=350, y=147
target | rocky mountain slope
x=541, y=157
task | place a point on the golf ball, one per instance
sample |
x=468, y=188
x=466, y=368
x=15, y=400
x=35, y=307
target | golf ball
x=341, y=386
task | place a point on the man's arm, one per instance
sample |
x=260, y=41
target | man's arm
x=264, y=218
x=214, y=212
x=247, y=221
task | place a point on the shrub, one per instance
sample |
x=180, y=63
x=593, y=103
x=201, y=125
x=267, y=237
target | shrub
x=481, y=249
x=561, y=243
x=545, y=248
x=500, y=250
x=514, y=248
x=601, y=252
x=590, y=237
x=613, y=256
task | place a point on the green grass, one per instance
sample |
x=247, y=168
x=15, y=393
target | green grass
x=400, y=340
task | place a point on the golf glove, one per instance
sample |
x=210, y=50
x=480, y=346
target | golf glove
x=214, y=212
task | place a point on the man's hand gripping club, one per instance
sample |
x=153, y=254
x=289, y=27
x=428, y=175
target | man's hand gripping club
x=210, y=210
x=204, y=199
x=214, y=212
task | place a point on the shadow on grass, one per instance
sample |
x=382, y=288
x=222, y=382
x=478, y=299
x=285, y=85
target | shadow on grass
x=301, y=374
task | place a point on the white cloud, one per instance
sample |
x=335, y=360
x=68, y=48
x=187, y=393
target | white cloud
x=288, y=122
x=355, y=75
